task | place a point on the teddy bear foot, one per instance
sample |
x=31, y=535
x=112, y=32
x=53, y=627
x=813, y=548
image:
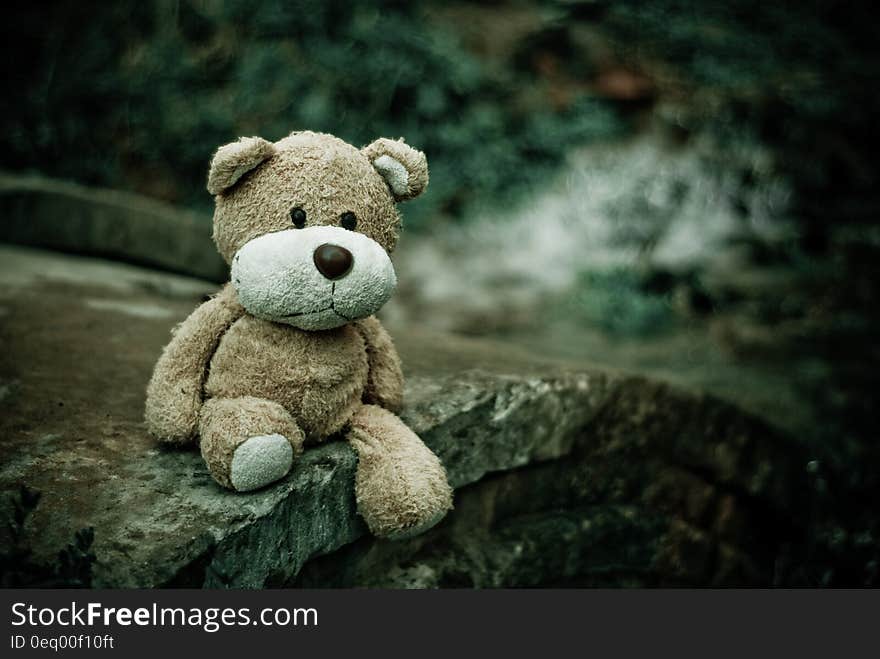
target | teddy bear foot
x=418, y=529
x=400, y=486
x=248, y=442
x=259, y=461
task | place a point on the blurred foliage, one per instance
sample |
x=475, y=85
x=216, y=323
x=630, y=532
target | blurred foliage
x=618, y=301
x=803, y=75
x=137, y=95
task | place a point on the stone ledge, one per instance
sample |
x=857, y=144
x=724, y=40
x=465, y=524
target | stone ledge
x=695, y=476
x=43, y=212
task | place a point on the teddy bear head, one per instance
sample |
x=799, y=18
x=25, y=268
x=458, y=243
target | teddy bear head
x=307, y=224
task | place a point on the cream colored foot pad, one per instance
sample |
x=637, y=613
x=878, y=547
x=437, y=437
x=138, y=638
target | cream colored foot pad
x=259, y=461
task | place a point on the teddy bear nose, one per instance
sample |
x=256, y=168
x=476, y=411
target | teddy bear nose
x=333, y=261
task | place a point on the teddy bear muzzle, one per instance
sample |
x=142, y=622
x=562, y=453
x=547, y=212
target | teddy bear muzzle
x=313, y=278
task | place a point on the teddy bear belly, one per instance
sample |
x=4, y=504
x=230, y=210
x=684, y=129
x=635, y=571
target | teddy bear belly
x=319, y=377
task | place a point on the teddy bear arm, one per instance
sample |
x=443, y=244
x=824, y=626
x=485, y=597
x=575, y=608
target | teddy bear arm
x=174, y=394
x=385, y=379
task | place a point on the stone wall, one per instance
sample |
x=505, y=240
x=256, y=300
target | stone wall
x=69, y=217
x=564, y=474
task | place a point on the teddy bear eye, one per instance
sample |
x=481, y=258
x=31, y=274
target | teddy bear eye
x=298, y=217
x=348, y=221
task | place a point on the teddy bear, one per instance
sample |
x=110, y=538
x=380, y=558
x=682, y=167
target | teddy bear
x=288, y=353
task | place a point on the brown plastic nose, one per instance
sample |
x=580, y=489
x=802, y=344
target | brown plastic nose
x=333, y=261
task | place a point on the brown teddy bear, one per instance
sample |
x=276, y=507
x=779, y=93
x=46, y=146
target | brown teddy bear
x=288, y=352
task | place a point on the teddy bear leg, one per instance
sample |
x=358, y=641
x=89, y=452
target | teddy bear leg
x=248, y=442
x=401, y=486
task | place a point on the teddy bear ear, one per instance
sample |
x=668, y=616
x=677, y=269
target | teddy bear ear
x=232, y=161
x=404, y=168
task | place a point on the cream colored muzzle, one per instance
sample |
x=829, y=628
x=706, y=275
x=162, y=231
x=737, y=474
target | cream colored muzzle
x=277, y=277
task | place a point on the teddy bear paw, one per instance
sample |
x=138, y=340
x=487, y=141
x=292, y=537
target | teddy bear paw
x=259, y=461
x=417, y=529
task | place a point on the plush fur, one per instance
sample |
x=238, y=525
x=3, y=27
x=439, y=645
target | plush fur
x=320, y=174
x=227, y=423
x=394, y=156
x=276, y=278
x=233, y=161
x=266, y=366
x=174, y=395
x=261, y=459
x=400, y=477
